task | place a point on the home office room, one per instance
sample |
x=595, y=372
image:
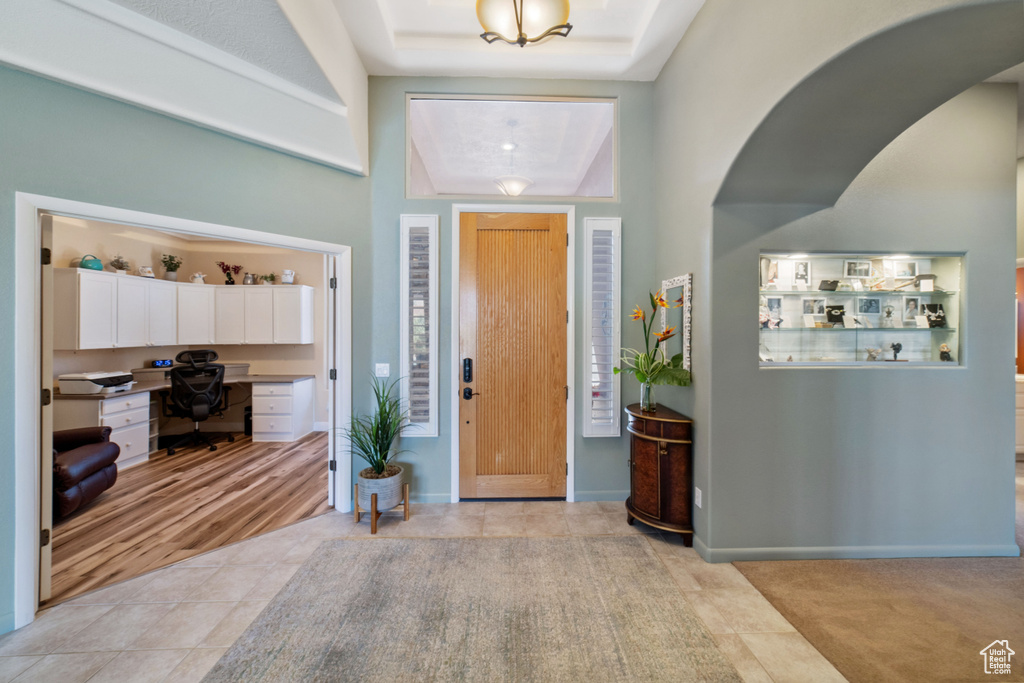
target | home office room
x=191, y=395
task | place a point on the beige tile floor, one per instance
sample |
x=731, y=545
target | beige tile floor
x=175, y=623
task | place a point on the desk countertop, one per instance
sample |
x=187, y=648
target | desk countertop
x=143, y=387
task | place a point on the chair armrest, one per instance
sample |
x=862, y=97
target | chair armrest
x=66, y=439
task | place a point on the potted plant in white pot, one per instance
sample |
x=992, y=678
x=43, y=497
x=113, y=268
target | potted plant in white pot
x=373, y=438
x=171, y=264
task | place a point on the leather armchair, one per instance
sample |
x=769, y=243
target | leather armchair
x=83, y=467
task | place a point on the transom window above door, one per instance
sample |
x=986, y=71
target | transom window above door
x=463, y=146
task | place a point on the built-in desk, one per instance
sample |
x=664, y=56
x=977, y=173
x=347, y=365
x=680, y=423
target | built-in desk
x=282, y=410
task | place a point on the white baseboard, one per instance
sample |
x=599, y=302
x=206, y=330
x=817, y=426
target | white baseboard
x=851, y=552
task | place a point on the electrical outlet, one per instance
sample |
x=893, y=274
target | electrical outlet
x=696, y=496
x=383, y=370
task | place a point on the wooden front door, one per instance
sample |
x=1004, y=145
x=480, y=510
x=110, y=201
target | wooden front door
x=513, y=324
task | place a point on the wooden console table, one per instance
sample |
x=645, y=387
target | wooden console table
x=661, y=470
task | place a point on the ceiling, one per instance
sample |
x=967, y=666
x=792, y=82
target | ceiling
x=461, y=145
x=610, y=39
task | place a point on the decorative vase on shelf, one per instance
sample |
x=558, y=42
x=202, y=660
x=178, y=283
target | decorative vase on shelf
x=171, y=275
x=248, y=279
x=647, y=403
x=230, y=280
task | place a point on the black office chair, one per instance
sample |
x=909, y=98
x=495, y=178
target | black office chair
x=197, y=391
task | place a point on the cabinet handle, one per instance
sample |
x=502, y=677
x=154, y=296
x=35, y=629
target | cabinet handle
x=127, y=445
x=271, y=406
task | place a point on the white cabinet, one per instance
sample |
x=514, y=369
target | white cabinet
x=293, y=314
x=245, y=315
x=264, y=314
x=260, y=314
x=132, y=312
x=230, y=306
x=282, y=411
x=196, y=314
x=162, y=300
x=96, y=310
x=127, y=415
x=84, y=309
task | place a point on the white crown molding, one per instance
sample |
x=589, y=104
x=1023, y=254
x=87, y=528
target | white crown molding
x=67, y=41
x=144, y=26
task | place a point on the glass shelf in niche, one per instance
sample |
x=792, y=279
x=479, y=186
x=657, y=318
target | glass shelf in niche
x=859, y=309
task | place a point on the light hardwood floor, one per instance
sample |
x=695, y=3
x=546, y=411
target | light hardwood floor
x=174, y=507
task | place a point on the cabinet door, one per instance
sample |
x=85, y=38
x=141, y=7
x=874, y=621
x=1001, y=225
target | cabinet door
x=230, y=319
x=646, y=477
x=259, y=315
x=163, y=313
x=195, y=314
x=97, y=311
x=293, y=315
x=132, y=311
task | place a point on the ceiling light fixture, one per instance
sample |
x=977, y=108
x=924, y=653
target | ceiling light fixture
x=512, y=185
x=543, y=17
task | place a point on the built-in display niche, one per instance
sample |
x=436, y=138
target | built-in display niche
x=871, y=310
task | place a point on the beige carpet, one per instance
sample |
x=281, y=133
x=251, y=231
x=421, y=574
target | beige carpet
x=904, y=620
x=478, y=609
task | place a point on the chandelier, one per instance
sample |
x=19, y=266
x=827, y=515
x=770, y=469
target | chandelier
x=542, y=18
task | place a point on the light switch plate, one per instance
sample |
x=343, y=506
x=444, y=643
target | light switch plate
x=383, y=370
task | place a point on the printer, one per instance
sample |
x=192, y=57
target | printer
x=95, y=382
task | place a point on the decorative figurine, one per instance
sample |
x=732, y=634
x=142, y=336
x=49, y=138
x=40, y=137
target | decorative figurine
x=887, y=320
x=790, y=359
x=896, y=348
x=945, y=354
x=873, y=354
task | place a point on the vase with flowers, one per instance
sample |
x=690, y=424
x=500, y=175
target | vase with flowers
x=229, y=272
x=652, y=365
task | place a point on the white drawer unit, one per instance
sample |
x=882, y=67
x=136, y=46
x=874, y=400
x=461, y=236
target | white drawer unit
x=128, y=416
x=282, y=411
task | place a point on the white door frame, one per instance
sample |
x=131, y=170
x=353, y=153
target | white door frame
x=570, y=333
x=27, y=342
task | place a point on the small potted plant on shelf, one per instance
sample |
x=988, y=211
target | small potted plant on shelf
x=268, y=279
x=652, y=365
x=229, y=272
x=372, y=438
x=171, y=265
x=120, y=264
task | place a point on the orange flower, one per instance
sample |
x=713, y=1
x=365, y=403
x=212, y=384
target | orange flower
x=659, y=299
x=637, y=314
x=678, y=302
x=667, y=333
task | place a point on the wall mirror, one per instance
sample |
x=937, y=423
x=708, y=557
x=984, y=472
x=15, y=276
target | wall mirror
x=678, y=290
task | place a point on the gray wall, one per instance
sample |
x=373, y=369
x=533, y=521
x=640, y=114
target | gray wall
x=601, y=472
x=62, y=142
x=880, y=461
x=709, y=99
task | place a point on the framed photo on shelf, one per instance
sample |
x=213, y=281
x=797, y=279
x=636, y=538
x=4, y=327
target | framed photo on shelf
x=905, y=270
x=911, y=308
x=869, y=306
x=857, y=268
x=814, y=306
x=801, y=274
x=774, y=304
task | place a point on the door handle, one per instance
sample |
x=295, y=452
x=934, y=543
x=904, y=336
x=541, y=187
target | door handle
x=468, y=394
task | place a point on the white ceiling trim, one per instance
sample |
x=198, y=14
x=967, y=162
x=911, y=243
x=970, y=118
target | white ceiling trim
x=62, y=41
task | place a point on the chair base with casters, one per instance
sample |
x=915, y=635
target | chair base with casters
x=83, y=467
x=196, y=437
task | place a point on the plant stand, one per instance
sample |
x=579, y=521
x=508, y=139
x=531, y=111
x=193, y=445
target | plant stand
x=374, y=514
